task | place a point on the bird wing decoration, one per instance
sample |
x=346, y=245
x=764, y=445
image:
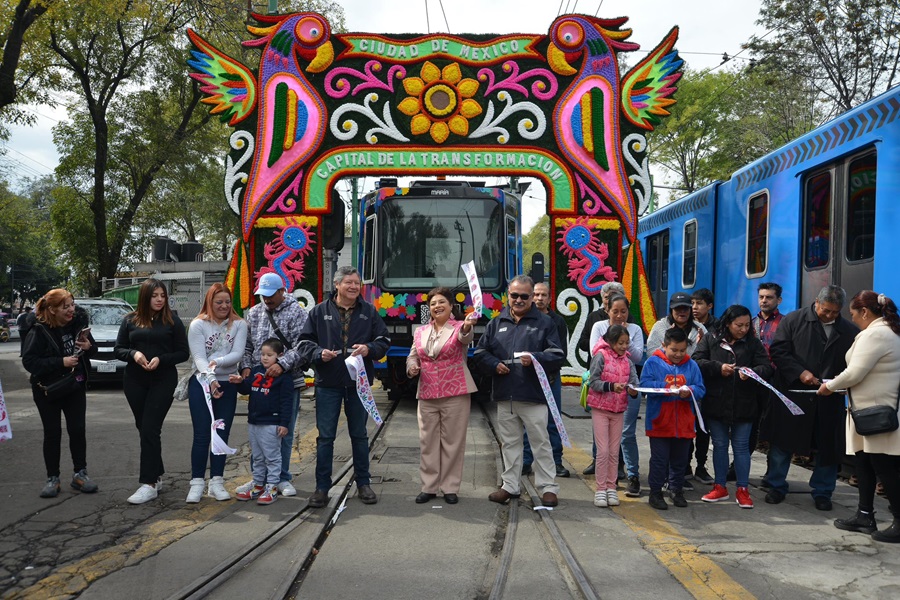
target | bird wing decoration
x=230, y=87
x=648, y=87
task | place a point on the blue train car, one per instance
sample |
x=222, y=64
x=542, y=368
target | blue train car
x=822, y=209
x=678, y=241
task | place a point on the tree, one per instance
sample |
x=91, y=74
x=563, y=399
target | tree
x=28, y=264
x=848, y=50
x=536, y=240
x=22, y=17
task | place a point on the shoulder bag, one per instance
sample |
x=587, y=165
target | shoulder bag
x=874, y=419
x=61, y=386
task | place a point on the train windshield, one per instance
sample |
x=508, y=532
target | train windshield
x=425, y=240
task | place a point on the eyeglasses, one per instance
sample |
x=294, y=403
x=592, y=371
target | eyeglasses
x=516, y=296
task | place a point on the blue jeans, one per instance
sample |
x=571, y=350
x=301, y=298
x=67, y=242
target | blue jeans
x=223, y=408
x=328, y=409
x=629, y=437
x=822, y=481
x=287, y=442
x=739, y=435
x=555, y=440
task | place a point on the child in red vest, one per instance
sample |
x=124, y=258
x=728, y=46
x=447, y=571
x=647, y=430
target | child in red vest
x=611, y=372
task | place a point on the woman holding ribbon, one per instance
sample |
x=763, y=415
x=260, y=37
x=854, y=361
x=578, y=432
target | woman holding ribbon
x=438, y=356
x=872, y=378
x=730, y=406
x=152, y=341
x=216, y=338
x=56, y=353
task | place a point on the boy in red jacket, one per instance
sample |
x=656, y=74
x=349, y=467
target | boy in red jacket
x=670, y=417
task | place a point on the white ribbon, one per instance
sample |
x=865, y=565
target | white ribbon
x=548, y=394
x=790, y=404
x=216, y=445
x=474, y=288
x=675, y=392
x=357, y=368
x=5, y=427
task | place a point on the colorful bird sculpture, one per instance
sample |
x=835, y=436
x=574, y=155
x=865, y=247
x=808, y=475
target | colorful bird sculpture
x=589, y=114
x=289, y=110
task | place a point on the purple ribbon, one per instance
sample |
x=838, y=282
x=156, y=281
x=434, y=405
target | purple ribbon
x=791, y=406
x=216, y=444
x=548, y=394
x=357, y=369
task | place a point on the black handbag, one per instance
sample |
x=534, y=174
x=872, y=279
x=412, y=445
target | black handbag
x=875, y=419
x=63, y=385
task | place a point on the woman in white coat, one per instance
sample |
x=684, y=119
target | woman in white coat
x=872, y=377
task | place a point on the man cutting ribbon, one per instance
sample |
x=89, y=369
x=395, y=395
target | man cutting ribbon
x=516, y=387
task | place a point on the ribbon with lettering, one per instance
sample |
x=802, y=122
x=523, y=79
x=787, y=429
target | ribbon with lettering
x=474, y=287
x=548, y=394
x=674, y=392
x=5, y=427
x=357, y=368
x=791, y=406
x=217, y=445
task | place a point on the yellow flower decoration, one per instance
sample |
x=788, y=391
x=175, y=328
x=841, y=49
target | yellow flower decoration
x=387, y=300
x=440, y=101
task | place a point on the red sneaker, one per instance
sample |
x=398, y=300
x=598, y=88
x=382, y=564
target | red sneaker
x=742, y=497
x=269, y=496
x=719, y=492
x=250, y=494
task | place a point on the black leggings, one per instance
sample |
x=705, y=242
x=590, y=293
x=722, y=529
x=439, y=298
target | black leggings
x=73, y=407
x=150, y=401
x=885, y=467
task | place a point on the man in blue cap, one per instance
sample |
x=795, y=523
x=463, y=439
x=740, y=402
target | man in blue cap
x=278, y=315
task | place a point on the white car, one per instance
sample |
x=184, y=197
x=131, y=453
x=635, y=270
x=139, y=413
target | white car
x=106, y=316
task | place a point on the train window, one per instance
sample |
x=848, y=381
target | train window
x=423, y=241
x=860, y=234
x=689, y=255
x=817, y=221
x=658, y=261
x=757, y=234
x=512, y=248
x=369, y=249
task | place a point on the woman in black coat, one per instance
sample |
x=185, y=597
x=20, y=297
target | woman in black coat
x=730, y=406
x=57, y=349
x=152, y=341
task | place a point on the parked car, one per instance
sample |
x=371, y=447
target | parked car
x=106, y=316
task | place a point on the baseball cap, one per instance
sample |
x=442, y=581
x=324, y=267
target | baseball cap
x=271, y=283
x=679, y=299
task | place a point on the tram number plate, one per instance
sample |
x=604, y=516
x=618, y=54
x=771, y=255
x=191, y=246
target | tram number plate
x=106, y=368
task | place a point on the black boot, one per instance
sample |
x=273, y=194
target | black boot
x=862, y=522
x=890, y=535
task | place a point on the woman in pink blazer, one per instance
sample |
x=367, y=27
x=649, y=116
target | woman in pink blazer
x=438, y=356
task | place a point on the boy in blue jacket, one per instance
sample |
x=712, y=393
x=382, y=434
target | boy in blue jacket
x=269, y=415
x=670, y=417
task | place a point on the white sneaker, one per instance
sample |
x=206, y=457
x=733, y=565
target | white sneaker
x=286, y=489
x=244, y=487
x=145, y=493
x=217, y=488
x=195, y=493
x=612, y=497
x=159, y=485
x=600, y=499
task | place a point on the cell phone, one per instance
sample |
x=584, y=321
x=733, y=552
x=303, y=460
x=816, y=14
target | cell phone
x=83, y=333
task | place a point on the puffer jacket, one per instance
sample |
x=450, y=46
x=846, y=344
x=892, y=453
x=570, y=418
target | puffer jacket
x=731, y=399
x=669, y=415
x=608, y=368
x=44, y=360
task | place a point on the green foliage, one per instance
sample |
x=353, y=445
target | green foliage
x=847, y=50
x=537, y=240
x=28, y=264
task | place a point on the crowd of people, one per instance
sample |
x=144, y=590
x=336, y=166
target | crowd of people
x=726, y=381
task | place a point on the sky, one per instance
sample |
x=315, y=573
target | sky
x=708, y=28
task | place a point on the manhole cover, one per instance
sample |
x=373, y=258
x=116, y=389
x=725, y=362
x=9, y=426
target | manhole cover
x=400, y=455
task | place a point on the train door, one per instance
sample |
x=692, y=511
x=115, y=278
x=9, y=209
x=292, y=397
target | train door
x=658, y=270
x=839, y=227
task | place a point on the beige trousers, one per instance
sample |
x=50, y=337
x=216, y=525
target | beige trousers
x=511, y=417
x=442, y=438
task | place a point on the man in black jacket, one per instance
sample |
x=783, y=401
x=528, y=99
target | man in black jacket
x=521, y=401
x=810, y=345
x=338, y=327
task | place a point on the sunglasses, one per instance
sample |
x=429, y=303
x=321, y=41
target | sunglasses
x=516, y=296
